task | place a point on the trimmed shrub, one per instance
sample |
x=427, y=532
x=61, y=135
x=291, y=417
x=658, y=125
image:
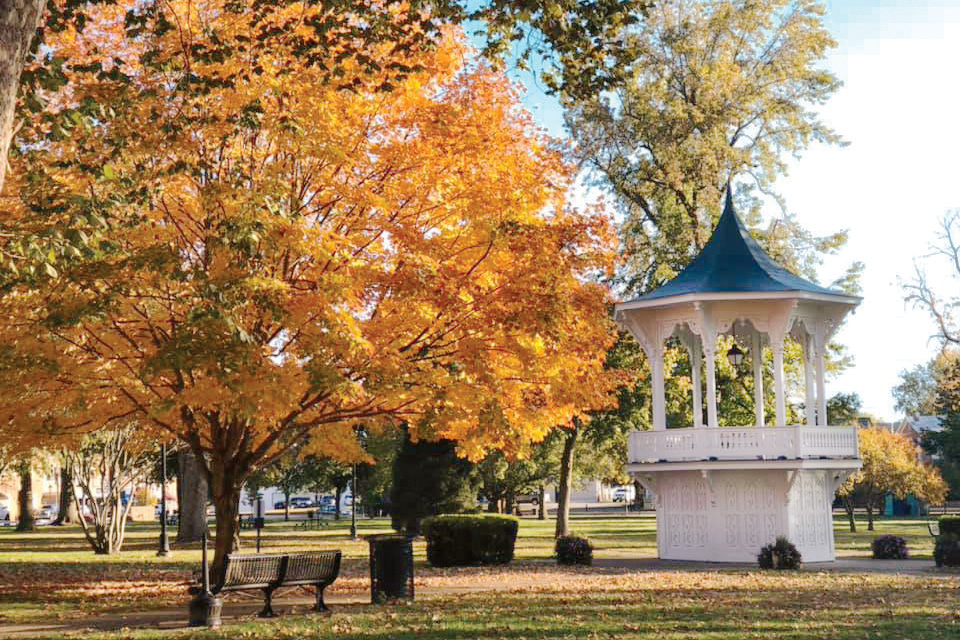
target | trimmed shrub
x=946, y=552
x=782, y=554
x=949, y=524
x=890, y=547
x=574, y=550
x=462, y=540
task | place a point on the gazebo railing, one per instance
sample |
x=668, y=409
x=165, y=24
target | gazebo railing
x=742, y=443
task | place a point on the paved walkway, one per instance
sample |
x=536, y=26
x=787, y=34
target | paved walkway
x=235, y=610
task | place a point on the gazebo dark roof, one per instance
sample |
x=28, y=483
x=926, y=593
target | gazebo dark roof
x=733, y=262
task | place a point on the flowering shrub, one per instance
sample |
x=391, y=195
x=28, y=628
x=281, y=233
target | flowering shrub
x=890, y=547
x=782, y=554
x=574, y=550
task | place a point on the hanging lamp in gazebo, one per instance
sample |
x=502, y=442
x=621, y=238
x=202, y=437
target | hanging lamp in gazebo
x=724, y=492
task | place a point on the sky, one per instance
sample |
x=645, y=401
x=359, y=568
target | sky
x=898, y=109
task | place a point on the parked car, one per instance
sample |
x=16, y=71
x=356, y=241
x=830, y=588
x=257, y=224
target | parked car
x=624, y=494
x=4, y=515
x=300, y=502
x=46, y=514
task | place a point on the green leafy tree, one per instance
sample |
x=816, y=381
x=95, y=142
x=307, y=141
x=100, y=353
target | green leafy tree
x=944, y=445
x=429, y=478
x=715, y=89
x=843, y=408
x=503, y=480
x=375, y=476
x=289, y=473
x=917, y=393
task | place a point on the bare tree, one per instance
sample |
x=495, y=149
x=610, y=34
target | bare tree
x=919, y=291
x=106, y=465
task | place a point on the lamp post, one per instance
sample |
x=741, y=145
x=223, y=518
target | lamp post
x=164, y=540
x=353, y=506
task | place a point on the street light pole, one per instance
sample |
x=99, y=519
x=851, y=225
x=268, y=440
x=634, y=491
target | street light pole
x=164, y=541
x=353, y=506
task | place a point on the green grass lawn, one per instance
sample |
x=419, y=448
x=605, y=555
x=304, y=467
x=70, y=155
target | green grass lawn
x=51, y=575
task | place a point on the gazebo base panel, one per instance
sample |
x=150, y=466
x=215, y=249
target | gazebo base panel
x=719, y=515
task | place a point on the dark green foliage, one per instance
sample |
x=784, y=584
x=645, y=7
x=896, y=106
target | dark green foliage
x=574, y=550
x=782, y=554
x=949, y=524
x=843, y=408
x=946, y=552
x=944, y=445
x=890, y=547
x=429, y=479
x=463, y=540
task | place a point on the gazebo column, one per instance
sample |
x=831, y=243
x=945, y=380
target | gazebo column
x=810, y=403
x=710, y=352
x=821, y=385
x=691, y=342
x=777, y=346
x=655, y=354
x=757, y=350
x=708, y=340
x=696, y=359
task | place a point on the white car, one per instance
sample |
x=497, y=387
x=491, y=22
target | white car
x=4, y=515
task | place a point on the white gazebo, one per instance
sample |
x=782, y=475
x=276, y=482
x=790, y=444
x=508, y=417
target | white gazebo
x=724, y=492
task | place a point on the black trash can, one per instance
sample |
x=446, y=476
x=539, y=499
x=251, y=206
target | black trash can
x=391, y=567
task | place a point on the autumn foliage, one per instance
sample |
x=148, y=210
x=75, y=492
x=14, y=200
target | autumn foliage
x=265, y=256
x=892, y=463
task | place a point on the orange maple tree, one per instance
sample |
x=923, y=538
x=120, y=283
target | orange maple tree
x=269, y=257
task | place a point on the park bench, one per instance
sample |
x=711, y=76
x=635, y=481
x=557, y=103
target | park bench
x=269, y=572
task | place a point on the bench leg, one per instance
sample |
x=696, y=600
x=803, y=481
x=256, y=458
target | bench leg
x=321, y=605
x=267, y=611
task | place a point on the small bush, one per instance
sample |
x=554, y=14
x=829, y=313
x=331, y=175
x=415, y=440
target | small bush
x=890, y=547
x=946, y=552
x=782, y=554
x=574, y=550
x=949, y=524
x=464, y=539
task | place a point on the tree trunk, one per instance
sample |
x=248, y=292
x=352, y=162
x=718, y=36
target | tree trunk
x=67, y=512
x=566, y=480
x=192, y=492
x=542, y=507
x=869, y=516
x=336, y=512
x=848, y=507
x=18, y=24
x=228, y=509
x=638, y=495
x=493, y=506
x=25, y=496
x=286, y=506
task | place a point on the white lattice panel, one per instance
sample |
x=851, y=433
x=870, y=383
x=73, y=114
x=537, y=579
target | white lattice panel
x=727, y=516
